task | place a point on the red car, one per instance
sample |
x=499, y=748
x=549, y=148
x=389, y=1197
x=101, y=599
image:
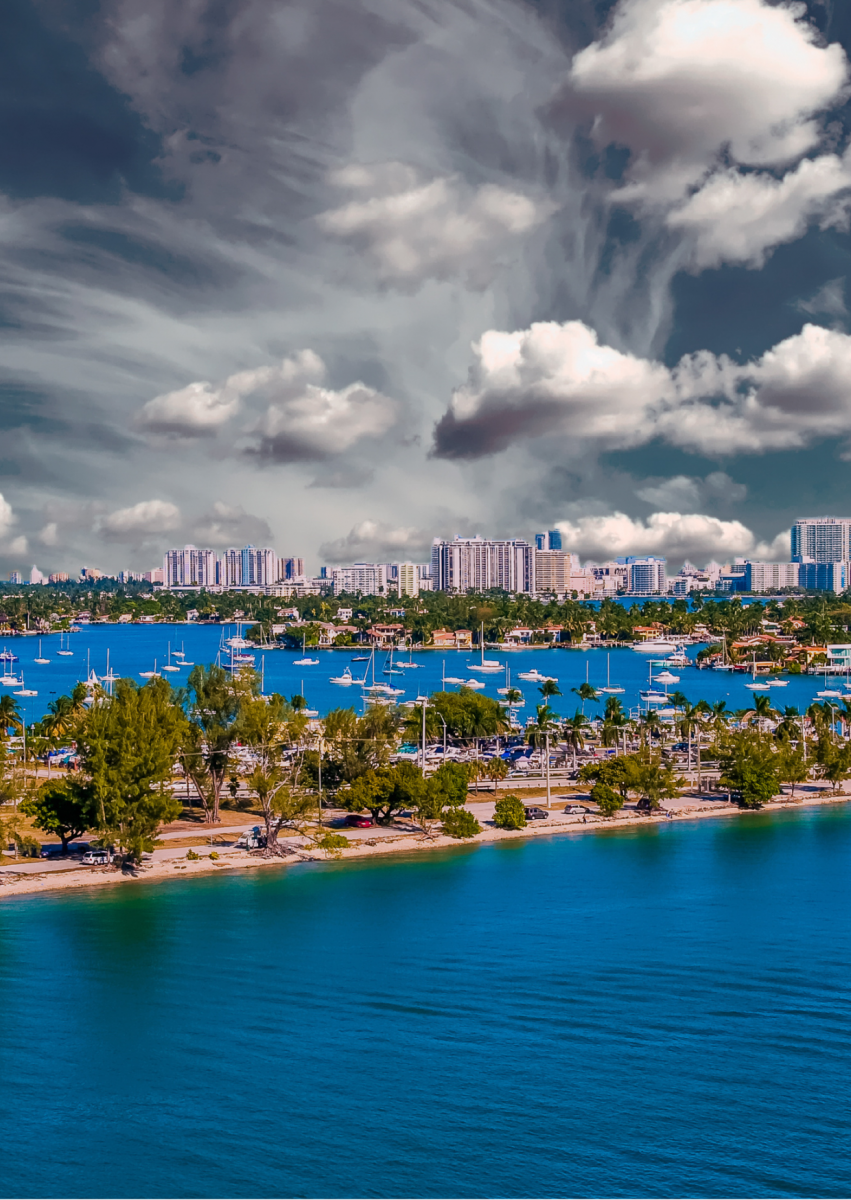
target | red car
x=359, y=821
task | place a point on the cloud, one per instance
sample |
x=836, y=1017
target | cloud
x=374, y=540
x=197, y=410
x=413, y=228
x=8, y=520
x=7, y=516
x=828, y=301
x=739, y=218
x=139, y=522
x=678, y=81
x=49, y=535
x=682, y=490
x=310, y=423
x=229, y=526
x=672, y=535
x=703, y=91
x=555, y=379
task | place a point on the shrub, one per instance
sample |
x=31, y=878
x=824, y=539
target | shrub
x=460, y=823
x=606, y=798
x=214, y=854
x=333, y=841
x=509, y=813
x=192, y=856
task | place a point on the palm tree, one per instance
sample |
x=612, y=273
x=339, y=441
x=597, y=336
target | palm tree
x=678, y=700
x=762, y=710
x=585, y=692
x=689, y=723
x=538, y=734
x=790, y=724
x=549, y=688
x=10, y=714
x=615, y=723
x=576, y=729
x=649, y=723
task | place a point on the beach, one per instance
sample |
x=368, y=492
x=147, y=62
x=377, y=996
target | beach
x=401, y=837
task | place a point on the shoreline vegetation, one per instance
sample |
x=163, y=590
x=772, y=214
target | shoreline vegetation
x=408, y=777
x=403, y=842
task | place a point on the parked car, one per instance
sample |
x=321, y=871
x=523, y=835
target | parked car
x=577, y=809
x=358, y=821
x=252, y=839
x=54, y=849
x=97, y=858
x=536, y=814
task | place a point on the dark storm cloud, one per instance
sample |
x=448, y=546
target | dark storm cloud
x=65, y=131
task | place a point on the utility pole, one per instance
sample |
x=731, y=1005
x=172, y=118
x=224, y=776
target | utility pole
x=547, y=752
x=425, y=704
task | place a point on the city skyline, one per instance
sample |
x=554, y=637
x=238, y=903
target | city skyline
x=561, y=293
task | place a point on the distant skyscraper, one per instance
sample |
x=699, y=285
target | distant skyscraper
x=822, y=539
x=480, y=565
x=16, y=577
x=555, y=540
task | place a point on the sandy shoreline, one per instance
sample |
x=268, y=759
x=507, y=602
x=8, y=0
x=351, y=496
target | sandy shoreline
x=391, y=842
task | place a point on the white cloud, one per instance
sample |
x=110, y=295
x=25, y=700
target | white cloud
x=145, y=519
x=370, y=540
x=7, y=516
x=414, y=229
x=196, y=410
x=557, y=379
x=699, y=89
x=49, y=535
x=310, y=423
x=739, y=218
x=673, y=535
x=677, y=81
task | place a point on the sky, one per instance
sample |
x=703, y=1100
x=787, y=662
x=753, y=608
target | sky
x=340, y=276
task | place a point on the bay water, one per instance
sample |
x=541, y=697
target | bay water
x=658, y=1011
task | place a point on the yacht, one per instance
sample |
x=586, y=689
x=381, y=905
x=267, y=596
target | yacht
x=344, y=680
x=169, y=666
x=535, y=676
x=609, y=689
x=66, y=653
x=667, y=678
x=473, y=683
x=6, y=656
x=40, y=660
x=679, y=659
x=655, y=646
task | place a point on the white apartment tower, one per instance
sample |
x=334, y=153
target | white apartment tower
x=478, y=565
x=822, y=539
x=189, y=567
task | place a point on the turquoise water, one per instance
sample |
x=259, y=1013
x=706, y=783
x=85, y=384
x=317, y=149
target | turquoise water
x=133, y=649
x=660, y=1011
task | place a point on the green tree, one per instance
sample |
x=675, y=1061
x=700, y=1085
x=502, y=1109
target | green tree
x=606, y=798
x=791, y=765
x=214, y=704
x=63, y=809
x=10, y=715
x=460, y=823
x=509, y=813
x=384, y=792
x=128, y=746
x=576, y=729
x=262, y=726
x=585, y=692
x=444, y=790
x=749, y=769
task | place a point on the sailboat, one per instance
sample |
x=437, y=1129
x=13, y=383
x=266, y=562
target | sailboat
x=150, y=674
x=504, y=691
x=304, y=661
x=828, y=693
x=488, y=665
x=23, y=690
x=180, y=655
x=6, y=656
x=724, y=665
x=377, y=689
x=608, y=689
x=10, y=679
x=168, y=666
x=66, y=653
x=308, y=712
x=388, y=668
x=762, y=686
x=450, y=678
x=410, y=664
x=110, y=677
x=40, y=660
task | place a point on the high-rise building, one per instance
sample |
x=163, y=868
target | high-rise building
x=822, y=539
x=551, y=540
x=408, y=579
x=16, y=577
x=480, y=565
x=36, y=576
x=770, y=577
x=189, y=567
x=290, y=568
x=824, y=577
x=258, y=567
x=368, y=579
x=645, y=576
x=553, y=571
x=58, y=577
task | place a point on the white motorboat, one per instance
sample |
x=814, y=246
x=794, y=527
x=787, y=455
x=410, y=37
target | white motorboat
x=535, y=676
x=610, y=689
x=40, y=660
x=760, y=687
x=655, y=646
x=473, y=683
x=456, y=679
x=666, y=677
x=653, y=696
x=679, y=659
x=830, y=694
x=344, y=680
x=6, y=656
x=777, y=682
